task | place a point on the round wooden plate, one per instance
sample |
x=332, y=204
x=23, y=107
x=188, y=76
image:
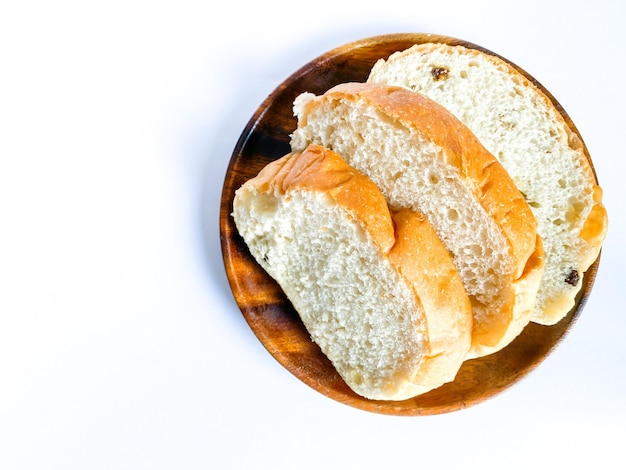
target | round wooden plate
x=267, y=310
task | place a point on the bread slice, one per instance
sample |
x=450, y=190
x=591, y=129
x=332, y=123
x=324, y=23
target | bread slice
x=424, y=159
x=521, y=127
x=376, y=290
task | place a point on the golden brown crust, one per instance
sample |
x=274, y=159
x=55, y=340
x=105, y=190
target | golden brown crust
x=423, y=260
x=501, y=327
x=481, y=171
x=595, y=228
x=320, y=169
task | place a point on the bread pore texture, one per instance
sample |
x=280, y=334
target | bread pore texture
x=394, y=323
x=523, y=129
x=424, y=159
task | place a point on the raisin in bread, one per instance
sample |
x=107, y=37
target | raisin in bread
x=521, y=127
x=424, y=159
x=376, y=290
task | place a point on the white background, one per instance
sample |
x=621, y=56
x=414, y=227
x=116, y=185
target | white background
x=120, y=344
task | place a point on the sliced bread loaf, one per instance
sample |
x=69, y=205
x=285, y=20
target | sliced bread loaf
x=424, y=159
x=376, y=290
x=521, y=127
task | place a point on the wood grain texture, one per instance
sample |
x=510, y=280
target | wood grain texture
x=263, y=304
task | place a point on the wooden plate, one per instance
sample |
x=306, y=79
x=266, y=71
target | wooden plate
x=267, y=310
